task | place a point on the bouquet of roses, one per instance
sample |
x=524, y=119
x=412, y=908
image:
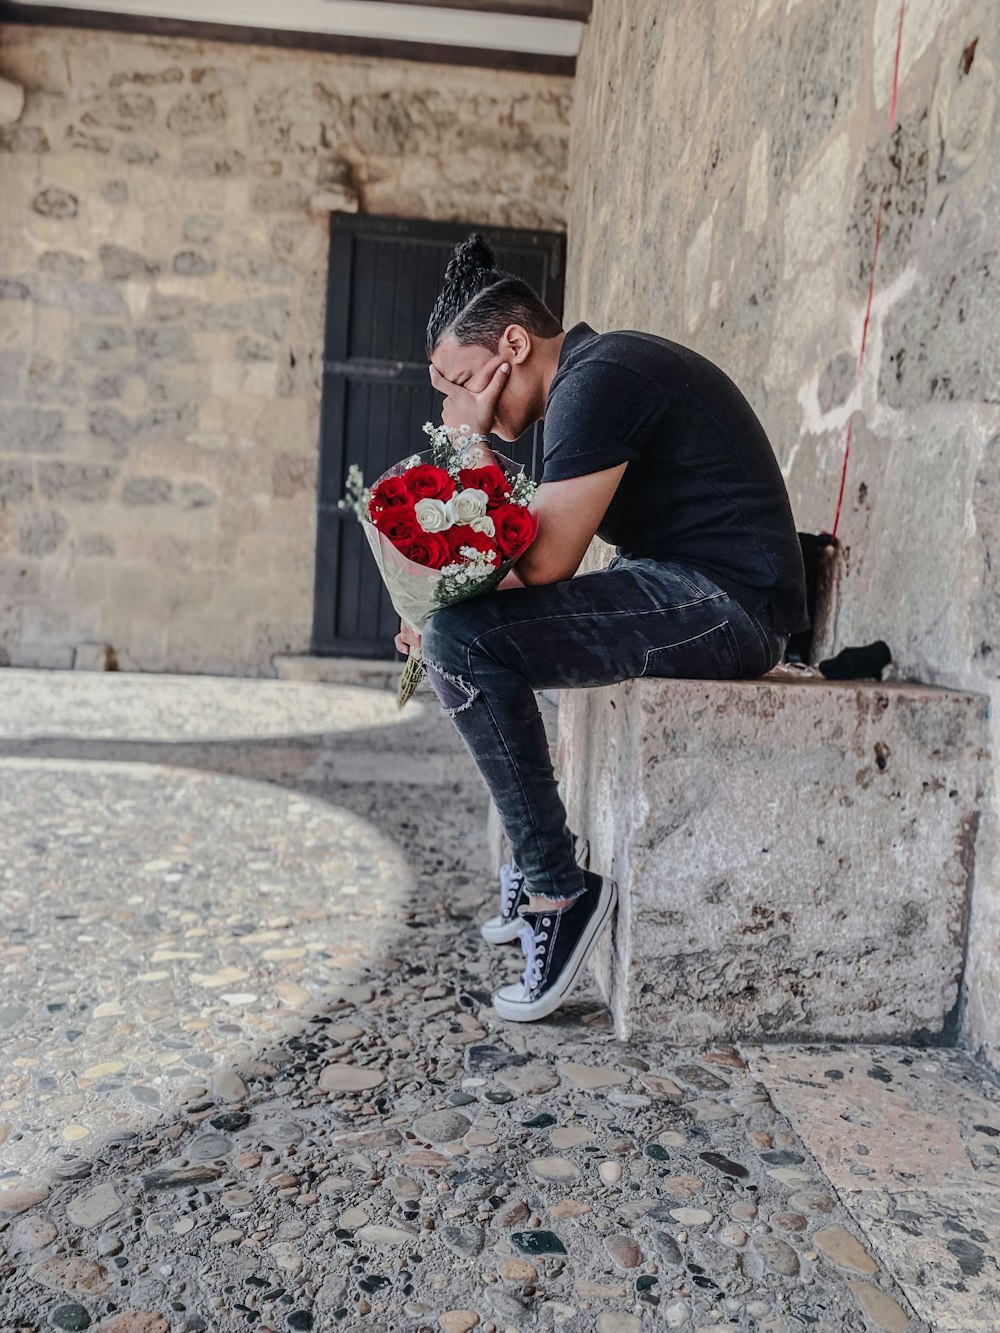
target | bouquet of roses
x=443, y=525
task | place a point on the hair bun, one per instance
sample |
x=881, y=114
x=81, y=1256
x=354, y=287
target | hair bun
x=470, y=256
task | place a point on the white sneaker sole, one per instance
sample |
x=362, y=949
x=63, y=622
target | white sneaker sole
x=508, y=1001
x=497, y=931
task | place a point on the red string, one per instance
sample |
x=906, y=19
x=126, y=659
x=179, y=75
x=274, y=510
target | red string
x=895, y=73
x=871, y=277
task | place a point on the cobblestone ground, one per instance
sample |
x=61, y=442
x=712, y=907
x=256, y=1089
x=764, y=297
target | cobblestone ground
x=252, y=1077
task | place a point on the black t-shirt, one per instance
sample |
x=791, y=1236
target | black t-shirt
x=702, y=484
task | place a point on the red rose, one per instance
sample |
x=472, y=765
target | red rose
x=462, y=534
x=399, y=523
x=515, y=529
x=492, y=480
x=426, y=482
x=390, y=491
x=430, y=549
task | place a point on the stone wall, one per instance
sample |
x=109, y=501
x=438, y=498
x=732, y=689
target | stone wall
x=756, y=902
x=726, y=163
x=163, y=247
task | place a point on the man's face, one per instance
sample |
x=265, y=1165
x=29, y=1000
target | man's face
x=472, y=367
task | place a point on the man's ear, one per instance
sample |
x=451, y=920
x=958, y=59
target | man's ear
x=518, y=340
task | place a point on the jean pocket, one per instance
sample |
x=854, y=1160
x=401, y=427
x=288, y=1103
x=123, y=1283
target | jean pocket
x=714, y=654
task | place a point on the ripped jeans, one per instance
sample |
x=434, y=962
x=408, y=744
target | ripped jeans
x=486, y=656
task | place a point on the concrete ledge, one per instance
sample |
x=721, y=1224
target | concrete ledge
x=794, y=857
x=377, y=674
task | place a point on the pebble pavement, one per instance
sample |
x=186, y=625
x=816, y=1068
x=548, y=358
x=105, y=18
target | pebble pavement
x=251, y=1077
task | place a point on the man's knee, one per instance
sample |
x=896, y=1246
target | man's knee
x=445, y=650
x=446, y=638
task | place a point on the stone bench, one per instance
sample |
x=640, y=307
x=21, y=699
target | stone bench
x=794, y=857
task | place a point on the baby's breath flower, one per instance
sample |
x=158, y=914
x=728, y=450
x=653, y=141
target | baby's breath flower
x=357, y=493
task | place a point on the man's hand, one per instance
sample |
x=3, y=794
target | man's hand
x=474, y=404
x=407, y=639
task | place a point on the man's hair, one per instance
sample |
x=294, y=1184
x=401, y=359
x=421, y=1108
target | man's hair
x=479, y=300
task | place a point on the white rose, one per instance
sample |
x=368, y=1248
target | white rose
x=432, y=515
x=464, y=506
x=484, y=524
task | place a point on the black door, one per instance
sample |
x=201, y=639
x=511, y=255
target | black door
x=384, y=277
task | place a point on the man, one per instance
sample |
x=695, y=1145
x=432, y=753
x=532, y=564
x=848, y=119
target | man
x=654, y=449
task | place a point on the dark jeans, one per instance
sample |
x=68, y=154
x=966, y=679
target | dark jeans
x=486, y=656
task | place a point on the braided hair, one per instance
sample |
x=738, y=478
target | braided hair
x=478, y=300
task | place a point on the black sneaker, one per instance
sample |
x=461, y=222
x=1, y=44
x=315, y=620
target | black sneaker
x=507, y=924
x=556, y=945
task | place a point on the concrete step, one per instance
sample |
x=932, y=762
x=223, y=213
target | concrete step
x=794, y=857
x=374, y=673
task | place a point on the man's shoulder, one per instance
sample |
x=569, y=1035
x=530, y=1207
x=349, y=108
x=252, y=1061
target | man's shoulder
x=629, y=351
x=650, y=362
x=625, y=360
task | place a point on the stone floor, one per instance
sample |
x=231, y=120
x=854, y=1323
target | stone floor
x=251, y=1077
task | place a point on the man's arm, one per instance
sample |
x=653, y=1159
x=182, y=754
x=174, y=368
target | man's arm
x=569, y=514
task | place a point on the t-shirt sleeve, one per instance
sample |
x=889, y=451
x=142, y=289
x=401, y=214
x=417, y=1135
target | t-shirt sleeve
x=596, y=418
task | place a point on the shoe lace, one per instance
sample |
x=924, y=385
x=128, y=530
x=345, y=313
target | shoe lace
x=511, y=880
x=533, y=943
